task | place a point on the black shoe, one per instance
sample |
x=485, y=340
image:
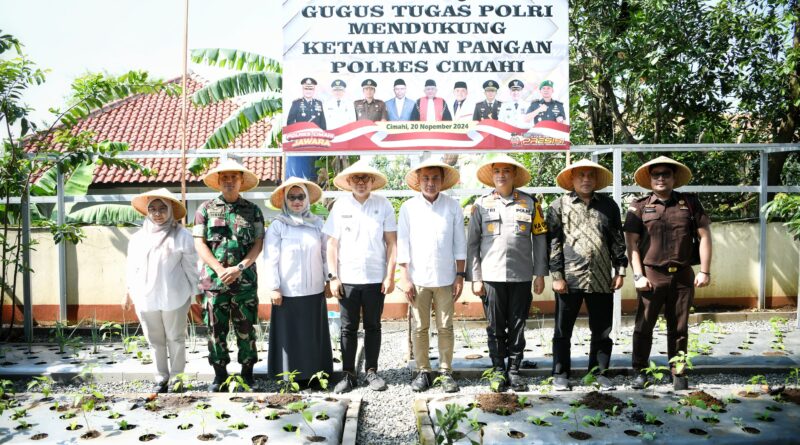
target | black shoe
x=247, y=374
x=374, y=381
x=605, y=383
x=517, y=382
x=346, y=384
x=448, y=382
x=421, y=382
x=220, y=375
x=561, y=382
x=640, y=382
x=163, y=387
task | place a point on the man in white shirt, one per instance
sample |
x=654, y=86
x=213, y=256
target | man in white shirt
x=462, y=108
x=362, y=240
x=514, y=111
x=431, y=253
x=399, y=107
x=338, y=111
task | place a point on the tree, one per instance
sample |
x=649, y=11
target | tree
x=29, y=152
x=262, y=78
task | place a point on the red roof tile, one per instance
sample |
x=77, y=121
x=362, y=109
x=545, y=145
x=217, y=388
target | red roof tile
x=152, y=123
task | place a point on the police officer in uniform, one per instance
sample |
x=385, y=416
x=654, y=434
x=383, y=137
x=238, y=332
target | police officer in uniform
x=659, y=231
x=307, y=109
x=513, y=112
x=489, y=108
x=338, y=112
x=506, y=251
x=546, y=109
x=369, y=108
x=228, y=235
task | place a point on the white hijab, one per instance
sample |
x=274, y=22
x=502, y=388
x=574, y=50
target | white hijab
x=302, y=218
x=154, y=237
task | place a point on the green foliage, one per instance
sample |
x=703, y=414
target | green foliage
x=235, y=383
x=286, y=382
x=494, y=377
x=321, y=377
x=445, y=427
x=681, y=362
x=538, y=421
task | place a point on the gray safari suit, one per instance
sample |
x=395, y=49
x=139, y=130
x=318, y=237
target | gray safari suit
x=506, y=247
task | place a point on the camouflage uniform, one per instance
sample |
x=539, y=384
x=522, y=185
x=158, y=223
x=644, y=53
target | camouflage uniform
x=229, y=230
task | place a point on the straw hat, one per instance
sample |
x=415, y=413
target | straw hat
x=485, y=171
x=682, y=174
x=249, y=179
x=450, y=179
x=604, y=176
x=140, y=202
x=277, y=197
x=360, y=168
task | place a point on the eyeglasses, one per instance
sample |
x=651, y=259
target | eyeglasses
x=363, y=179
x=157, y=210
x=661, y=175
x=296, y=197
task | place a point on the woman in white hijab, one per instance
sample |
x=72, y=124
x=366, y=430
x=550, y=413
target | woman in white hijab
x=294, y=260
x=162, y=276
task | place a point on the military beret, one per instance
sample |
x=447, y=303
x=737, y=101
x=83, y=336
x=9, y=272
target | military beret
x=369, y=83
x=399, y=82
x=460, y=84
x=430, y=83
x=338, y=84
x=546, y=83
x=516, y=84
x=308, y=81
x=490, y=85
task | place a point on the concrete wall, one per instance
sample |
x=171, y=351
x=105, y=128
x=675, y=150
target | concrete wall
x=96, y=275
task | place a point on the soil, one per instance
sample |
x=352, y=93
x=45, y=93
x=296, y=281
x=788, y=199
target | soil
x=792, y=395
x=177, y=402
x=633, y=433
x=579, y=435
x=600, y=401
x=147, y=437
x=707, y=398
x=637, y=416
x=93, y=434
x=129, y=426
x=516, y=434
x=279, y=400
x=261, y=439
x=748, y=394
x=39, y=436
x=751, y=430
x=316, y=438
x=492, y=402
x=698, y=432
x=206, y=437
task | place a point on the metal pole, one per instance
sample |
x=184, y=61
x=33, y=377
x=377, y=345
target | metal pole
x=62, y=249
x=184, y=101
x=26, y=271
x=617, y=195
x=762, y=240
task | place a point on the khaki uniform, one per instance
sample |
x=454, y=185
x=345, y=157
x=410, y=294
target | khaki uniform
x=370, y=111
x=665, y=246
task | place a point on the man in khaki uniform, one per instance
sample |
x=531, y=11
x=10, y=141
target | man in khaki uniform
x=369, y=108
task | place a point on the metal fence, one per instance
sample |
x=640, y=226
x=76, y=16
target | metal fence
x=595, y=151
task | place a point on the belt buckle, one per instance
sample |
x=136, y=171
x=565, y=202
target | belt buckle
x=672, y=269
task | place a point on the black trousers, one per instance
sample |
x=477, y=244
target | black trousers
x=506, y=306
x=601, y=310
x=369, y=298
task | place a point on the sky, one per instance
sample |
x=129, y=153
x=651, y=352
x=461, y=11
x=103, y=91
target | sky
x=73, y=37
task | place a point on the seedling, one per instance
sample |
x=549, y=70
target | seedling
x=556, y=412
x=465, y=334
x=151, y=405
x=235, y=383
x=239, y=426
x=662, y=324
x=523, y=401
x=646, y=435
x=445, y=428
x=19, y=413
x=672, y=410
x=756, y=380
x=62, y=339
x=182, y=383
x=538, y=421
x=123, y=424
x=682, y=362
x=23, y=424
x=794, y=374
x=322, y=378
x=590, y=379
x=114, y=415
x=110, y=329
x=43, y=383
x=630, y=403
x=494, y=377
x=546, y=385
x=712, y=418
x=252, y=408
x=201, y=412
x=657, y=373
x=287, y=383
x=273, y=415
x=572, y=413
x=222, y=415
x=73, y=425
x=651, y=419
x=690, y=405
x=596, y=420
x=764, y=416
x=613, y=411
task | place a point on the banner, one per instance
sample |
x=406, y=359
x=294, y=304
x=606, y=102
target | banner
x=445, y=75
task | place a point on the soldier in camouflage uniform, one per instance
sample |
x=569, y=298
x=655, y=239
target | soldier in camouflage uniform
x=229, y=233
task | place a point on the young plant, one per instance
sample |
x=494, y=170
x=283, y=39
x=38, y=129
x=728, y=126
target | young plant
x=657, y=373
x=523, y=401
x=682, y=362
x=123, y=424
x=286, y=382
x=235, y=383
x=572, y=413
x=613, y=411
x=44, y=383
x=538, y=421
x=651, y=419
x=672, y=410
x=182, y=383
x=691, y=405
x=546, y=385
x=494, y=377
x=222, y=415
x=322, y=378
x=764, y=416
x=23, y=424
x=596, y=420
x=590, y=379
x=794, y=374
x=19, y=413
x=445, y=427
x=239, y=426
x=200, y=410
x=757, y=380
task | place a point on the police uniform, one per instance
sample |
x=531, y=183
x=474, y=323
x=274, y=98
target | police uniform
x=303, y=110
x=338, y=112
x=513, y=113
x=370, y=111
x=555, y=109
x=230, y=230
x=506, y=247
x=486, y=110
x=665, y=230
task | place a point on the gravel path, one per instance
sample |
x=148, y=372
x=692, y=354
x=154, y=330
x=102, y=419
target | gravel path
x=387, y=417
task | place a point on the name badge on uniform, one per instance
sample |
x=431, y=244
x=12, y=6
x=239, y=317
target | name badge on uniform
x=523, y=217
x=488, y=204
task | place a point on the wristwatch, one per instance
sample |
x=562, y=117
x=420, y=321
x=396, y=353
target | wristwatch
x=331, y=276
x=636, y=277
x=462, y=274
x=241, y=267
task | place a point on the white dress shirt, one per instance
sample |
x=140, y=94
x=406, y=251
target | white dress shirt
x=399, y=104
x=431, y=116
x=430, y=238
x=172, y=269
x=294, y=259
x=360, y=229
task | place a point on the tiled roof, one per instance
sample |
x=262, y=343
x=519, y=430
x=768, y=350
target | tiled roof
x=152, y=122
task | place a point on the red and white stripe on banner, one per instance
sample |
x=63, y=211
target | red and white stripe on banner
x=488, y=134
